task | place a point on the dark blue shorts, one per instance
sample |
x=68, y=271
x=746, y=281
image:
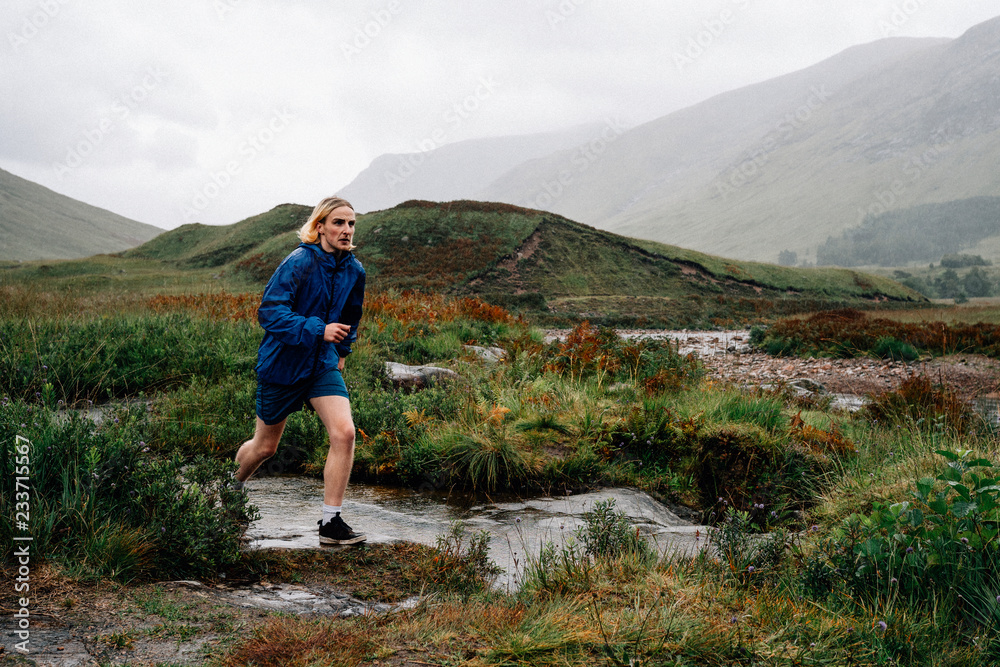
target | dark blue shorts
x=276, y=401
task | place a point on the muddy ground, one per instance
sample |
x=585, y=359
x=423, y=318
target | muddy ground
x=76, y=624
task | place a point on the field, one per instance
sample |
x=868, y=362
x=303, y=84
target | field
x=846, y=575
x=839, y=538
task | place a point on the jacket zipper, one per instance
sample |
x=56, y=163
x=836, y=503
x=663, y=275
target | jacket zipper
x=329, y=303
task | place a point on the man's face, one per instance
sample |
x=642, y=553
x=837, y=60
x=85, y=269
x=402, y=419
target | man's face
x=336, y=232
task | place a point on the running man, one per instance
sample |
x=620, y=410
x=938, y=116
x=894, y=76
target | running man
x=310, y=313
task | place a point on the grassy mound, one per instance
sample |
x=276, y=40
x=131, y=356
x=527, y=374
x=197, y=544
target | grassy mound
x=557, y=271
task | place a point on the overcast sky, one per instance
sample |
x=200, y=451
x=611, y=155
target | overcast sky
x=214, y=110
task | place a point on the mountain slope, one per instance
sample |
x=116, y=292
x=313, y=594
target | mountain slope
x=917, y=234
x=37, y=223
x=453, y=171
x=788, y=162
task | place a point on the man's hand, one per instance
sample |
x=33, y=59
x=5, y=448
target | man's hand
x=340, y=364
x=334, y=333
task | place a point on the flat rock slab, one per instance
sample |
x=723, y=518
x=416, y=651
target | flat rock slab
x=416, y=377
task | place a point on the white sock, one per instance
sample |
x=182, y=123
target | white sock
x=330, y=511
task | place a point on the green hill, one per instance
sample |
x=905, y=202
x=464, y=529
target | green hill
x=545, y=263
x=37, y=223
x=202, y=246
x=537, y=262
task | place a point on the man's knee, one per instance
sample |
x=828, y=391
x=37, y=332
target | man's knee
x=267, y=447
x=343, y=435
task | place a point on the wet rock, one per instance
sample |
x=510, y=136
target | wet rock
x=807, y=386
x=847, y=402
x=488, y=354
x=296, y=599
x=186, y=583
x=416, y=377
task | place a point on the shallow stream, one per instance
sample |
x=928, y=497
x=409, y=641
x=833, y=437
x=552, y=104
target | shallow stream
x=290, y=506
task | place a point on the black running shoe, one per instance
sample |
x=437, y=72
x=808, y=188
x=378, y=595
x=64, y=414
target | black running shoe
x=335, y=531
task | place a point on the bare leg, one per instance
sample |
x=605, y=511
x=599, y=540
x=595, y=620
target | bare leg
x=335, y=412
x=258, y=449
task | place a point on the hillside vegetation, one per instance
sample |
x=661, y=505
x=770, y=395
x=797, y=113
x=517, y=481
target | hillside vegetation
x=915, y=234
x=37, y=223
x=535, y=262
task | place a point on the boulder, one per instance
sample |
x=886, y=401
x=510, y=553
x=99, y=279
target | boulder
x=416, y=377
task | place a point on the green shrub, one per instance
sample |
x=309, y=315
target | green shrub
x=600, y=353
x=208, y=418
x=763, y=411
x=391, y=424
x=460, y=562
x=747, y=467
x=940, y=547
x=757, y=335
x=888, y=347
x=746, y=556
x=103, y=505
x=609, y=534
x=485, y=460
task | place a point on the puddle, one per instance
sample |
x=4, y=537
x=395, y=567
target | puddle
x=290, y=506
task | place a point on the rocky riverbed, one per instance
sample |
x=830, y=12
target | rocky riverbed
x=728, y=357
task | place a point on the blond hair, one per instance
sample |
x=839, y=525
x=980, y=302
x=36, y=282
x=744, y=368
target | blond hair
x=308, y=233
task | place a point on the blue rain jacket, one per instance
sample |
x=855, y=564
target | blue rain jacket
x=309, y=289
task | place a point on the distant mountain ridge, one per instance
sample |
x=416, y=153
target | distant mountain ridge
x=453, y=171
x=786, y=163
x=38, y=223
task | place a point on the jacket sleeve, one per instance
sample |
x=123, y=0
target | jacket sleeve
x=351, y=314
x=276, y=314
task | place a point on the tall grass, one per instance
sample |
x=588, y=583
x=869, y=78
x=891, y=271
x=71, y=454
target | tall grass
x=103, y=358
x=102, y=506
